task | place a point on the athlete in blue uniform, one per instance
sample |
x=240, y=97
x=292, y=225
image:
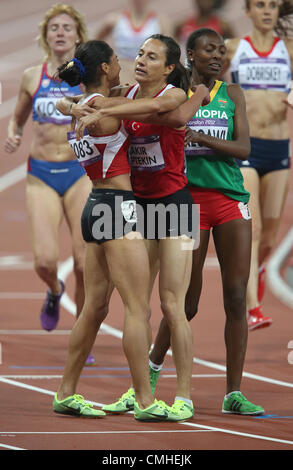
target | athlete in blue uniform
x=57, y=186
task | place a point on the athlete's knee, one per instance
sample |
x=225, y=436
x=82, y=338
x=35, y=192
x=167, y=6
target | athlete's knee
x=172, y=309
x=235, y=299
x=168, y=303
x=96, y=309
x=137, y=307
x=45, y=264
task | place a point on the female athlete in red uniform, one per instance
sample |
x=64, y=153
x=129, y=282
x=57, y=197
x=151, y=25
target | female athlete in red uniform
x=115, y=252
x=158, y=180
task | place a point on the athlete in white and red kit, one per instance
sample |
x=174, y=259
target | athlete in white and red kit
x=127, y=29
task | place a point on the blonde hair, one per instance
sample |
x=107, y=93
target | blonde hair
x=59, y=9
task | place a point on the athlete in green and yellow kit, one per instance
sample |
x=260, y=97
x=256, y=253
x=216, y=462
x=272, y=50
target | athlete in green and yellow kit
x=216, y=135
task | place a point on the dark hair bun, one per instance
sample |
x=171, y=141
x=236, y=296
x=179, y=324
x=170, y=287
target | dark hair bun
x=70, y=73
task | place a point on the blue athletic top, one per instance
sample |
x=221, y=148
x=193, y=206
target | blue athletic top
x=46, y=96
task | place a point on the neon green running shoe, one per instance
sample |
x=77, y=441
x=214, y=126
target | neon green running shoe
x=183, y=409
x=154, y=375
x=76, y=406
x=125, y=403
x=157, y=411
x=236, y=403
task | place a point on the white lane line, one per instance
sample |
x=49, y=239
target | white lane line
x=12, y=433
x=241, y=434
x=13, y=177
x=31, y=377
x=198, y=426
x=194, y=376
x=260, y=378
x=99, y=372
x=22, y=295
x=65, y=269
x=278, y=286
x=28, y=266
x=11, y=447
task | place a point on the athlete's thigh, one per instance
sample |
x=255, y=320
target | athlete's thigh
x=45, y=212
x=97, y=281
x=273, y=191
x=74, y=201
x=233, y=246
x=152, y=247
x=129, y=269
x=175, y=266
x=252, y=185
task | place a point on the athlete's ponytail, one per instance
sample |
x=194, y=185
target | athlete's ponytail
x=179, y=77
x=84, y=67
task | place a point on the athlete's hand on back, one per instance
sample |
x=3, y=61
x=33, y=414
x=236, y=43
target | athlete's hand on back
x=78, y=111
x=88, y=122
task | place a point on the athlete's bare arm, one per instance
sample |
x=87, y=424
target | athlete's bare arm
x=132, y=108
x=21, y=112
x=239, y=147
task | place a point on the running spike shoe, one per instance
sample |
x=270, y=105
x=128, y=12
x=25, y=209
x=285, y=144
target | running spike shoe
x=123, y=404
x=183, y=409
x=91, y=361
x=76, y=406
x=50, y=309
x=256, y=319
x=158, y=411
x=236, y=403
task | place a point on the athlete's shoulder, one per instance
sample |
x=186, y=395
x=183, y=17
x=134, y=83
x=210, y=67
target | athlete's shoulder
x=175, y=90
x=32, y=72
x=31, y=78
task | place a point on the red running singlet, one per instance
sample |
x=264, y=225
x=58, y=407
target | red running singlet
x=156, y=156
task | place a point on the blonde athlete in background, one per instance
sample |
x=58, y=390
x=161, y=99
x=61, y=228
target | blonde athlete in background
x=261, y=63
x=56, y=185
x=128, y=29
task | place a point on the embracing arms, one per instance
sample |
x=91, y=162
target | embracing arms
x=174, y=111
